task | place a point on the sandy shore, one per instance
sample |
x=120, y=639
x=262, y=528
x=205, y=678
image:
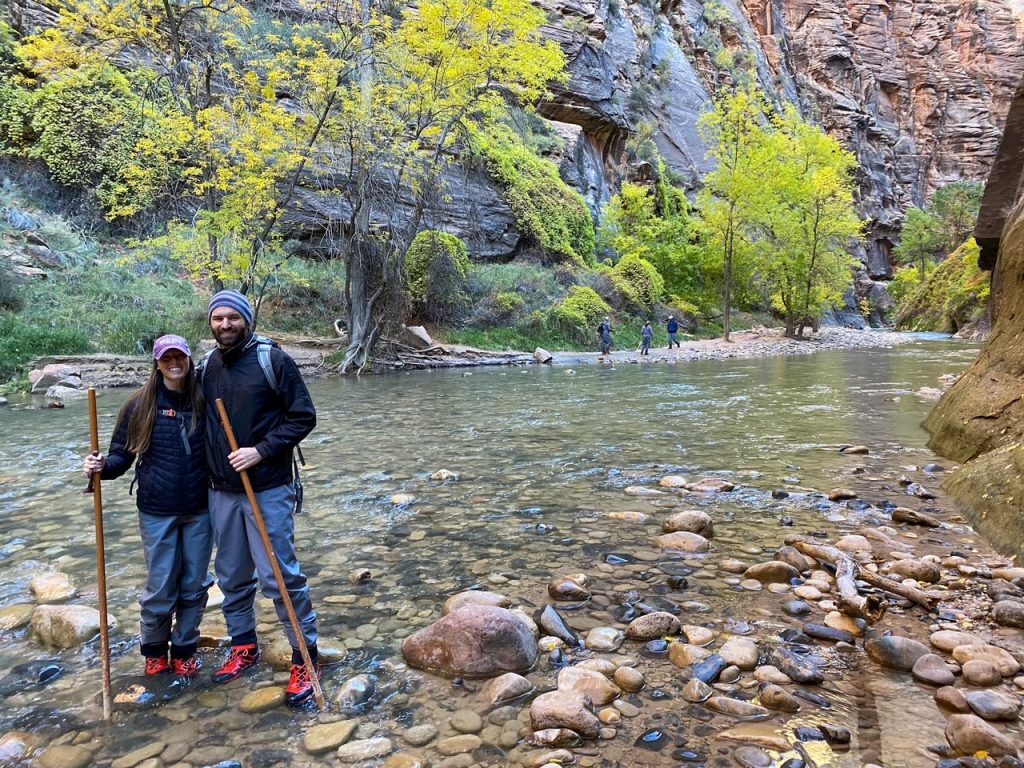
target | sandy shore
x=758, y=342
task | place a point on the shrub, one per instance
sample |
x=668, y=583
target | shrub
x=435, y=275
x=904, y=282
x=21, y=341
x=955, y=294
x=579, y=313
x=550, y=213
x=533, y=283
x=305, y=297
x=639, y=281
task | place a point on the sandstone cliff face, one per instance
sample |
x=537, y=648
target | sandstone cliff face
x=918, y=89
x=980, y=420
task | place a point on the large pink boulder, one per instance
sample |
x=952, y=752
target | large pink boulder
x=473, y=641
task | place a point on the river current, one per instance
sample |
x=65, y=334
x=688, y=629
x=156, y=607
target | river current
x=542, y=455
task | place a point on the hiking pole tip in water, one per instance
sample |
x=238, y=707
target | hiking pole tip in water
x=293, y=618
x=101, y=560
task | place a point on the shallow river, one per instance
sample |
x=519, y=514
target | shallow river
x=542, y=454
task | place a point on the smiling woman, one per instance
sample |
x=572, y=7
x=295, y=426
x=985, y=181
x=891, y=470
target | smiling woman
x=161, y=425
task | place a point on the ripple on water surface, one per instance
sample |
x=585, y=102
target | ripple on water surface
x=542, y=460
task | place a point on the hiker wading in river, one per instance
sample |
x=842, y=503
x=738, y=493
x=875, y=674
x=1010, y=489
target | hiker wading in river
x=161, y=429
x=271, y=412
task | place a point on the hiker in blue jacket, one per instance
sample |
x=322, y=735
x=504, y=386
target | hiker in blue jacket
x=161, y=429
x=646, y=337
x=673, y=332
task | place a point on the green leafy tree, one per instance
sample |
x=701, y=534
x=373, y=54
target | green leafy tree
x=218, y=73
x=654, y=224
x=735, y=134
x=426, y=82
x=956, y=206
x=920, y=241
x=806, y=219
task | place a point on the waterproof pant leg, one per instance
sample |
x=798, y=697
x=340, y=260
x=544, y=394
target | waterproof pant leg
x=195, y=537
x=241, y=557
x=163, y=565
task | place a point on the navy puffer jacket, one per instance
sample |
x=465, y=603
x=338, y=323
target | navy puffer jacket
x=172, y=474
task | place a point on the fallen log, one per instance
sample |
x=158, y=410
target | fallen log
x=820, y=552
x=850, y=601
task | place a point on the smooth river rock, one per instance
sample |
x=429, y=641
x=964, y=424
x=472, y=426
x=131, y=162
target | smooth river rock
x=692, y=520
x=52, y=587
x=596, y=686
x=564, y=709
x=473, y=641
x=652, y=626
x=895, y=652
x=968, y=734
x=1004, y=662
x=932, y=669
x=683, y=541
x=67, y=626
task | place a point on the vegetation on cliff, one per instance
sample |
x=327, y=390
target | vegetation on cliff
x=934, y=291
x=954, y=295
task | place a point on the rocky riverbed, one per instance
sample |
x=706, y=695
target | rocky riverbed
x=671, y=637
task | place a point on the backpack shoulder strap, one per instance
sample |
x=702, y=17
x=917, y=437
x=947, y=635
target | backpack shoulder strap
x=263, y=347
x=201, y=365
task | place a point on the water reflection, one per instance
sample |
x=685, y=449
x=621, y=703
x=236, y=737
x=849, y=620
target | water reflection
x=542, y=456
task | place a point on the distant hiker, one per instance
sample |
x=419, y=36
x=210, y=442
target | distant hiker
x=673, y=332
x=646, y=337
x=604, y=330
x=162, y=426
x=271, y=411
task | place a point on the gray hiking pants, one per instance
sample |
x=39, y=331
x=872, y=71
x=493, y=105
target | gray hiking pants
x=242, y=558
x=177, y=550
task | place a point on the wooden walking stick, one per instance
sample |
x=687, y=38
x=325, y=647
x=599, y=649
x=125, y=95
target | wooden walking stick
x=101, y=559
x=285, y=597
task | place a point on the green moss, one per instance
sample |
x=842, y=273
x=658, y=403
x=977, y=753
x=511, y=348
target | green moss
x=955, y=294
x=549, y=212
x=435, y=274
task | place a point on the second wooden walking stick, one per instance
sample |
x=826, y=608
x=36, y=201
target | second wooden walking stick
x=101, y=558
x=285, y=597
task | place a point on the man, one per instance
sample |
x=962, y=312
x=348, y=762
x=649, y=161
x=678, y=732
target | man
x=269, y=417
x=604, y=330
x=673, y=331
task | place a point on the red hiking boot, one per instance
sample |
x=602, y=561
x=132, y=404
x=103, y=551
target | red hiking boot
x=241, y=658
x=156, y=665
x=186, y=667
x=300, y=687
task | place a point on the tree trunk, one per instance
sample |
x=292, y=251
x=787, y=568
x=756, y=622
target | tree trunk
x=727, y=298
x=363, y=326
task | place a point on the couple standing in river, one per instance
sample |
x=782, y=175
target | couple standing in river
x=191, y=495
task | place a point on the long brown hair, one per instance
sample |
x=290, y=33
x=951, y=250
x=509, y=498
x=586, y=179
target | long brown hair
x=143, y=408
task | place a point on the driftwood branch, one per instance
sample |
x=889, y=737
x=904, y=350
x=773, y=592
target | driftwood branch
x=846, y=565
x=851, y=602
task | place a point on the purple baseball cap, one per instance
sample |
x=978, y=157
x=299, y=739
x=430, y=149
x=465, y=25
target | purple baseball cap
x=165, y=344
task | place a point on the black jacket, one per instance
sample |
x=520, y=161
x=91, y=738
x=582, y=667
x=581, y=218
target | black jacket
x=171, y=474
x=271, y=422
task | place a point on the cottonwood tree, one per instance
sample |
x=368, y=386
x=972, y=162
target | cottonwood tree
x=244, y=99
x=429, y=79
x=806, y=220
x=735, y=133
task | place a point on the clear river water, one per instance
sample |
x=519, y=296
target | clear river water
x=543, y=455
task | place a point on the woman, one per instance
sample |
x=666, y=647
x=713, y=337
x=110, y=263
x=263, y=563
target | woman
x=161, y=425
